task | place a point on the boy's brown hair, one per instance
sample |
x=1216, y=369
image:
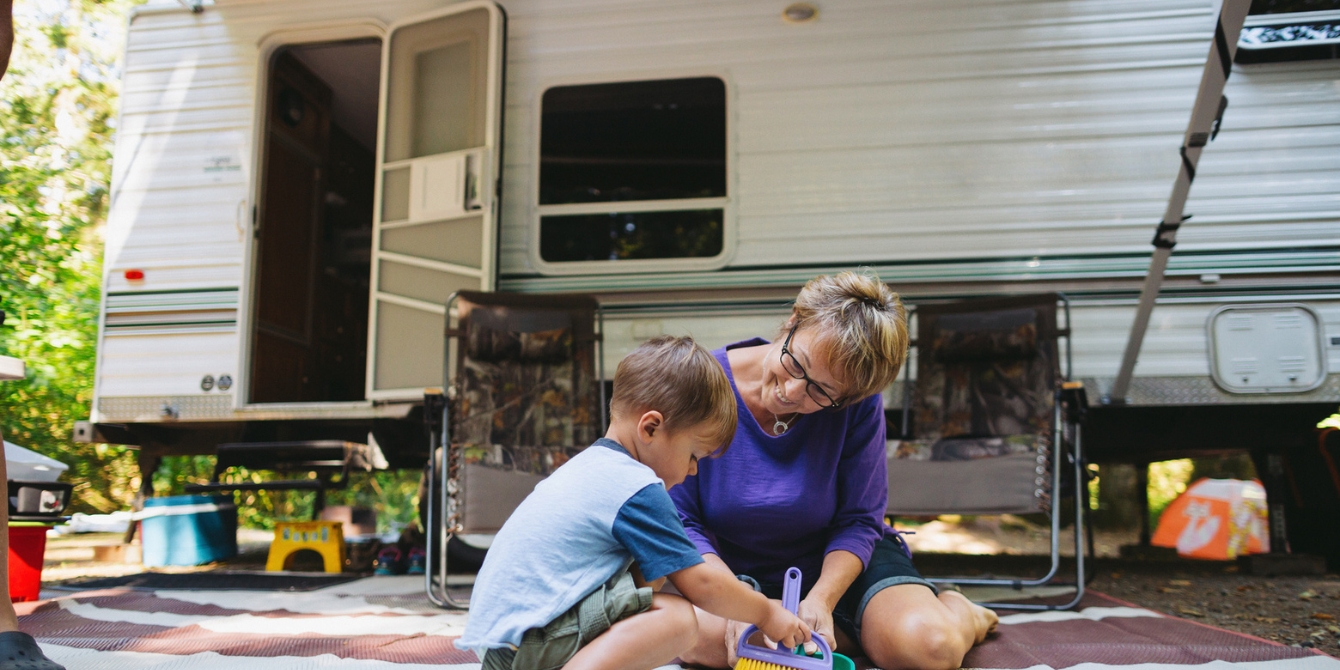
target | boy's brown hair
x=678, y=378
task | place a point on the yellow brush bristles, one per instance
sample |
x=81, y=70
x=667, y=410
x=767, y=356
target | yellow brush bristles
x=754, y=664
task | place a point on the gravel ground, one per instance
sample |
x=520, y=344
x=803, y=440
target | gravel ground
x=1299, y=611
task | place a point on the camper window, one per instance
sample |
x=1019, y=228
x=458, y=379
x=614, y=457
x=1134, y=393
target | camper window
x=1280, y=31
x=633, y=170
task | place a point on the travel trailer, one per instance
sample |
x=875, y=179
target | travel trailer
x=300, y=186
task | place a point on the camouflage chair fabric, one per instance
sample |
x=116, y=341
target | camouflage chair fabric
x=526, y=401
x=983, y=410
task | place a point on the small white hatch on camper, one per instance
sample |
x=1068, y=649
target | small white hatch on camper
x=26, y=465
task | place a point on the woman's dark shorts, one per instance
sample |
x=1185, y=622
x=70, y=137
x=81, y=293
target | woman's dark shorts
x=889, y=566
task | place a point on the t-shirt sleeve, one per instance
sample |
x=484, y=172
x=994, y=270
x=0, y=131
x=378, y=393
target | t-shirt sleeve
x=648, y=525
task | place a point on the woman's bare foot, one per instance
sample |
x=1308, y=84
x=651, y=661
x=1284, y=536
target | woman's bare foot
x=984, y=619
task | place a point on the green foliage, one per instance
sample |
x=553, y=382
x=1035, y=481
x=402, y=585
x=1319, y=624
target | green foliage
x=1332, y=421
x=57, y=118
x=393, y=494
x=1167, y=480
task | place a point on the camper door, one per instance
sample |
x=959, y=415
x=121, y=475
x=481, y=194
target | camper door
x=435, y=227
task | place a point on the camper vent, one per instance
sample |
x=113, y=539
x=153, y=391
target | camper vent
x=1266, y=349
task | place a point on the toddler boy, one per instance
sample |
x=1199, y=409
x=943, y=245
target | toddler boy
x=562, y=585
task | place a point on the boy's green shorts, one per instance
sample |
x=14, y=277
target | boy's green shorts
x=556, y=643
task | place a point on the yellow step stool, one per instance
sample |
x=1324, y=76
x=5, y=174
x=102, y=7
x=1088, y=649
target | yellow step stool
x=323, y=537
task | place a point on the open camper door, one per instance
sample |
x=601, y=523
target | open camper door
x=435, y=226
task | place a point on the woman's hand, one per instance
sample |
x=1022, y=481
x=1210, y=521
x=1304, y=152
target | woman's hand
x=819, y=617
x=734, y=629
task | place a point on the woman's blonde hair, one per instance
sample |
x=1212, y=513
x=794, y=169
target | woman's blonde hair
x=860, y=324
x=678, y=378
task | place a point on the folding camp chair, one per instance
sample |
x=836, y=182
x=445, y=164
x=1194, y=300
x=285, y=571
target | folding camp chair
x=990, y=435
x=523, y=398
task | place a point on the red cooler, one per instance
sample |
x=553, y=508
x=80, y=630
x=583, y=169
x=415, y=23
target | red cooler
x=27, y=544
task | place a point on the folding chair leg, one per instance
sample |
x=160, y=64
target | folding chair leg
x=436, y=536
x=1079, y=539
x=1018, y=584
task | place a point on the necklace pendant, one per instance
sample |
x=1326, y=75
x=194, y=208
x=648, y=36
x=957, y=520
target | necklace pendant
x=779, y=427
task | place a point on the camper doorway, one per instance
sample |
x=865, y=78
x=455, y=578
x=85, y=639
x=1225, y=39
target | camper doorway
x=313, y=231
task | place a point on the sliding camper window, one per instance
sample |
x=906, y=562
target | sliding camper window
x=1281, y=31
x=633, y=170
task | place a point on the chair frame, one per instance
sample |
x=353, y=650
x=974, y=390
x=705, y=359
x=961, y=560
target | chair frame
x=442, y=485
x=1059, y=451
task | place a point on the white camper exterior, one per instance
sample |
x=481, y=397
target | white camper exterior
x=959, y=148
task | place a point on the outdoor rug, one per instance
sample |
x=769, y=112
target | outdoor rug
x=1105, y=632
x=386, y=623
x=214, y=580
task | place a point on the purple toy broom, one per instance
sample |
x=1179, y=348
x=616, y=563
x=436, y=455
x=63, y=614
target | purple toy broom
x=754, y=657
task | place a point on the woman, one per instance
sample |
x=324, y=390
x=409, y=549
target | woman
x=804, y=484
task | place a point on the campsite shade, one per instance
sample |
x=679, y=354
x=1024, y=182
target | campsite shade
x=29, y=466
x=1216, y=519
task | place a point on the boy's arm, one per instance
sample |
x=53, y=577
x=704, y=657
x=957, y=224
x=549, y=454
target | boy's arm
x=719, y=592
x=641, y=581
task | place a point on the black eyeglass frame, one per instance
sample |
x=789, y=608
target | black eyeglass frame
x=809, y=383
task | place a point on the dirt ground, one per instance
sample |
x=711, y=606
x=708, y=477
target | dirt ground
x=73, y=557
x=1303, y=611
x=1300, y=611
x=1296, y=610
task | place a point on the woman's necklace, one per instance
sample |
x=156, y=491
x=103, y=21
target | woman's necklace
x=780, y=426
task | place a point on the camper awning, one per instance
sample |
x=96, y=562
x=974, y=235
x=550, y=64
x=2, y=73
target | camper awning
x=26, y=465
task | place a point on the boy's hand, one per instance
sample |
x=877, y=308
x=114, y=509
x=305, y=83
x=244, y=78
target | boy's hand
x=783, y=627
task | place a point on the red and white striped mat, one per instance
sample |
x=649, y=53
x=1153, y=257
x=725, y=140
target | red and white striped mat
x=1104, y=632
x=386, y=623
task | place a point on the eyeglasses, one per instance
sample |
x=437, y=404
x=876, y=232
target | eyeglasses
x=792, y=367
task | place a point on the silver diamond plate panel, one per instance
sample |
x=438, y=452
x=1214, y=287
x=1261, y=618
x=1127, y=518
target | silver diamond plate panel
x=165, y=408
x=1156, y=391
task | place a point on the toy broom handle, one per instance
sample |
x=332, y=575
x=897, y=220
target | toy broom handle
x=791, y=591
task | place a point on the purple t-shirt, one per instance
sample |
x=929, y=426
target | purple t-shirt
x=770, y=503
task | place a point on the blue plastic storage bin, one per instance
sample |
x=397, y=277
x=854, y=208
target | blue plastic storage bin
x=188, y=530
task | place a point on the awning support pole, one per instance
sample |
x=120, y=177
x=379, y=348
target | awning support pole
x=1206, y=115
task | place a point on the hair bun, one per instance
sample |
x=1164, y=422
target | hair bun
x=867, y=347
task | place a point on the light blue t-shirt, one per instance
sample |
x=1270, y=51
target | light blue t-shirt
x=583, y=524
